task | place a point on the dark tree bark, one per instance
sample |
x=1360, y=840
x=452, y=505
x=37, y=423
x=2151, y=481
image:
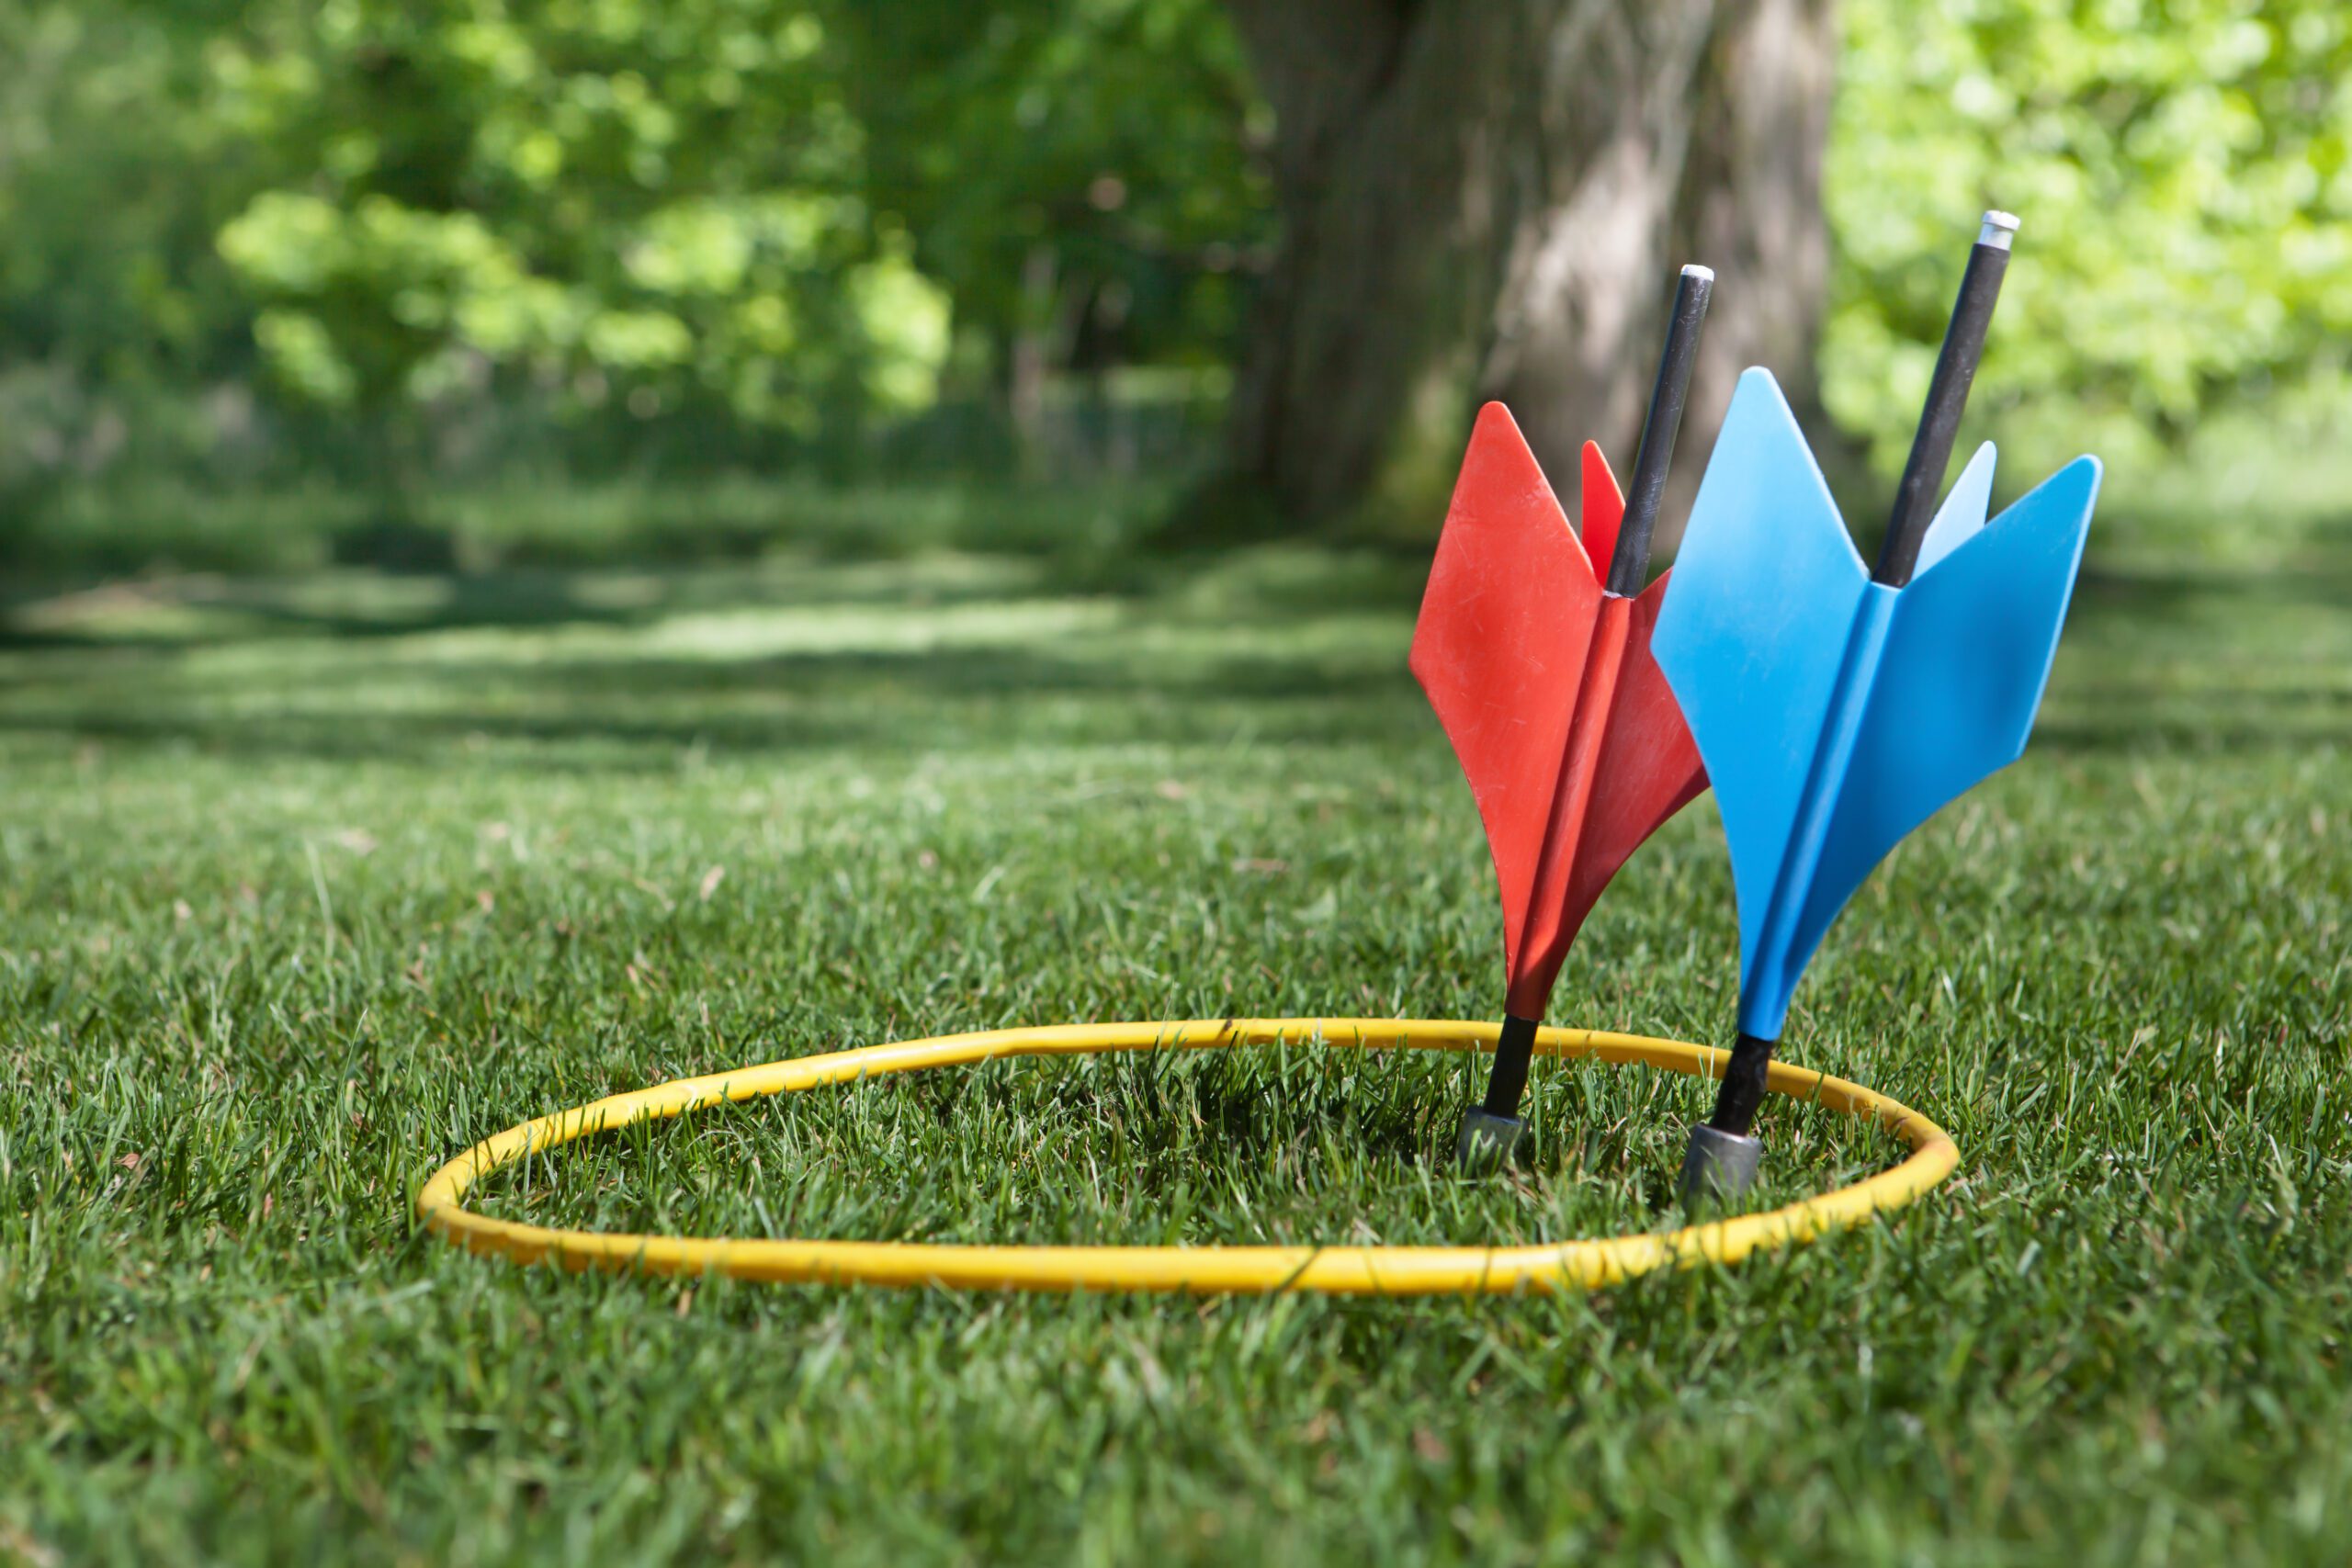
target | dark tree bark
x=1489, y=198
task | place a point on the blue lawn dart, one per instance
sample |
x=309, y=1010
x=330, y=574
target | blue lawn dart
x=1837, y=709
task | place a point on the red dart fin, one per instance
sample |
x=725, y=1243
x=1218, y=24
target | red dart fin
x=1604, y=509
x=1501, y=648
x=1572, y=742
x=1648, y=768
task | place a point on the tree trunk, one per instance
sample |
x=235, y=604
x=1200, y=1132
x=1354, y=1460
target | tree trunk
x=1489, y=198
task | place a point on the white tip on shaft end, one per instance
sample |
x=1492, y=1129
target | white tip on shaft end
x=1998, y=230
x=1703, y=274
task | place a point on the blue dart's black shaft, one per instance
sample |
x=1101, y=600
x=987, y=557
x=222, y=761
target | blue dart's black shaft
x=1629, y=564
x=1741, y=1093
x=1629, y=569
x=1923, y=475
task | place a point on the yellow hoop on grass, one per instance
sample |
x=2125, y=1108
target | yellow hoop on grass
x=1369, y=1271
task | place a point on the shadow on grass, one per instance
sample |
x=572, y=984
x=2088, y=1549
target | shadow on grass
x=2188, y=660
x=150, y=613
x=890, y=703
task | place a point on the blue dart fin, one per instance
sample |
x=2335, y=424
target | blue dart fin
x=1835, y=714
x=1959, y=677
x=1962, y=512
x=1754, y=631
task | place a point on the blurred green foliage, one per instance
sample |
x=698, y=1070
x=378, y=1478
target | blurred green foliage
x=385, y=235
x=1086, y=172
x=754, y=209
x=114, y=186
x=2182, y=168
x=293, y=245
x=663, y=202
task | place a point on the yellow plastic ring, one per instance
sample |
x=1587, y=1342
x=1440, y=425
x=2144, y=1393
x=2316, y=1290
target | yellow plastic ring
x=1366, y=1270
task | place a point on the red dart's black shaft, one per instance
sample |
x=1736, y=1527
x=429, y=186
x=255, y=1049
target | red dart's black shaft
x=1629, y=566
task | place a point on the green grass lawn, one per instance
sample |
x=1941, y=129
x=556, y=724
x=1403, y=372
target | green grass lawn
x=306, y=885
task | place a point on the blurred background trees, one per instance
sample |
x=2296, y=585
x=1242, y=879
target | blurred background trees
x=1492, y=202
x=299, y=275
